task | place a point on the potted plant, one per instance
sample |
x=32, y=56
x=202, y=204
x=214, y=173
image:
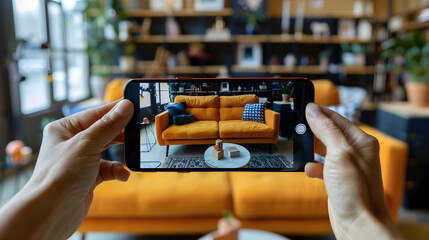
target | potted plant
x=128, y=61
x=227, y=227
x=353, y=54
x=287, y=91
x=410, y=54
x=102, y=18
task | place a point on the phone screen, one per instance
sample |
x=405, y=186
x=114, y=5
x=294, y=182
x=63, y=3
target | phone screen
x=250, y=124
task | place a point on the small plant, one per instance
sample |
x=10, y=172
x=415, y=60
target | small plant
x=287, y=88
x=228, y=216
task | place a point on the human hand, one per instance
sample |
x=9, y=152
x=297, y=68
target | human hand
x=352, y=177
x=66, y=173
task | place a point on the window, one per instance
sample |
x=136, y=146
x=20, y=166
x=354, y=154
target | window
x=52, y=59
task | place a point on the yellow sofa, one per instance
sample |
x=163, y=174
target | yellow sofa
x=191, y=203
x=217, y=117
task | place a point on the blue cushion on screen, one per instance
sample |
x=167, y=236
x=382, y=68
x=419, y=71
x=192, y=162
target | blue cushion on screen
x=175, y=109
x=254, y=112
x=183, y=119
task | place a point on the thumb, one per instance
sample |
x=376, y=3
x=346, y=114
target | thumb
x=108, y=127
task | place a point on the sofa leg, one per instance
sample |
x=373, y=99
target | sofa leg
x=83, y=236
x=166, y=152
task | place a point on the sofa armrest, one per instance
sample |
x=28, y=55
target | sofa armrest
x=393, y=159
x=272, y=119
x=162, y=121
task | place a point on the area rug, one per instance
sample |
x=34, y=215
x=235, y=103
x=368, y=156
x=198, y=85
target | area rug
x=256, y=161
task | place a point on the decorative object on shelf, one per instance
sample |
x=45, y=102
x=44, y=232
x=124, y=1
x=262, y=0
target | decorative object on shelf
x=253, y=11
x=320, y=29
x=227, y=227
x=324, y=57
x=223, y=72
x=218, y=31
x=209, y=5
x=128, y=61
x=290, y=60
x=299, y=20
x=166, y=5
x=196, y=54
x=364, y=30
x=423, y=15
x=182, y=59
x=171, y=27
x=249, y=55
x=124, y=30
x=346, y=28
x=224, y=86
x=358, y=8
x=285, y=24
x=395, y=23
x=145, y=28
x=411, y=56
x=353, y=54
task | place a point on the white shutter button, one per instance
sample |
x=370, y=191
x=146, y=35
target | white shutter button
x=300, y=128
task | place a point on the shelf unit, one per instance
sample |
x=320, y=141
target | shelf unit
x=224, y=50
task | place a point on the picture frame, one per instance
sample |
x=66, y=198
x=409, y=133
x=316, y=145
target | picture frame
x=249, y=55
x=224, y=86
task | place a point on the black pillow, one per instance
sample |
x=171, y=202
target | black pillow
x=183, y=119
x=175, y=109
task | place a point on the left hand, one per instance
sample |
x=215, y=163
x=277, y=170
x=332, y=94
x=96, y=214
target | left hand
x=70, y=158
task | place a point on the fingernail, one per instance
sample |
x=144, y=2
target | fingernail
x=313, y=110
x=123, y=108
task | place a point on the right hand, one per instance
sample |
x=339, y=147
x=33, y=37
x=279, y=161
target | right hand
x=352, y=176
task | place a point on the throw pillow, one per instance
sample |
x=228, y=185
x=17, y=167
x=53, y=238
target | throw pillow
x=254, y=112
x=349, y=111
x=175, y=109
x=183, y=119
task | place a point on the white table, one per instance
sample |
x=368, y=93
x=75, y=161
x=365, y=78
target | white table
x=251, y=234
x=227, y=162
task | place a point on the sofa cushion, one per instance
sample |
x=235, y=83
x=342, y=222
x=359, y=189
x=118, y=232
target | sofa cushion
x=175, y=109
x=232, y=107
x=203, y=107
x=167, y=195
x=183, y=119
x=194, y=130
x=278, y=195
x=244, y=129
x=254, y=112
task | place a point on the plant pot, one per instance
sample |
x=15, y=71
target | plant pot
x=225, y=226
x=417, y=94
x=98, y=86
x=286, y=97
x=127, y=63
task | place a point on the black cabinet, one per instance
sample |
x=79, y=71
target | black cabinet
x=410, y=125
x=286, y=117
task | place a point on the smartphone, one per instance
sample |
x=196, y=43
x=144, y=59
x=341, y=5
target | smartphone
x=219, y=124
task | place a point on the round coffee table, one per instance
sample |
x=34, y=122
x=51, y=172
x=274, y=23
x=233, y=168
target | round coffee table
x=251, y=234
x=227, y=162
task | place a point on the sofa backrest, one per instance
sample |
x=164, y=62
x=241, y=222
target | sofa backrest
x=203, y=107
x=232, y=107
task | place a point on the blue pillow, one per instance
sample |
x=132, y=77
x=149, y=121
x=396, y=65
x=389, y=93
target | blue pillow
x=183, y=119
x=175, y=109
x=254, y=112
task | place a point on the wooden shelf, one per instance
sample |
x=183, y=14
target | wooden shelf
x=280, y=69
x=281, y=38
x=260, y=69
x=311, y=70
x=141, y=13
x=212, y=69
x=356, y=70
x=251, y=38
x=185, y=70
x=183, y=39
x=338, y=40
x=411, y=26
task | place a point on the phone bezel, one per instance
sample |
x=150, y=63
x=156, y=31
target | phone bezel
x=302, y=145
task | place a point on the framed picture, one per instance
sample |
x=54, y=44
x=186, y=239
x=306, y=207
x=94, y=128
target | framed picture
x=249, y=54
x=346, y=28
x=209, y=5
x=166, y=5
x=224, y=86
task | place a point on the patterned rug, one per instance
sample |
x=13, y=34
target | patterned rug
x=256, y=161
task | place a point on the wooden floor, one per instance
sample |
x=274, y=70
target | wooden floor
x=412, y=224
